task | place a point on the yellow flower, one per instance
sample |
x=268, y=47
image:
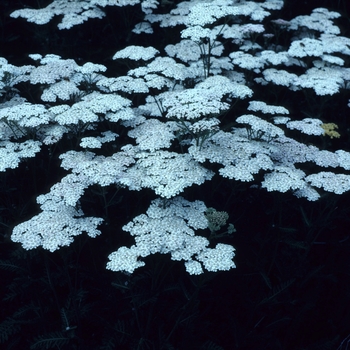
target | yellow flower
x=329, y=129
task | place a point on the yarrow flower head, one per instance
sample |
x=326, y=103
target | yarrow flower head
x=169, y=227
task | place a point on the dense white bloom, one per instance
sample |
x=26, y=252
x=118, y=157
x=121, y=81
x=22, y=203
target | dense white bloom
x=281, y=120
x=326, y=44
x=76, y=114
x=143, y=27
x=283, y=179
x=52, y=229
x=125, y=259
x=50, y=134
x=241, y=158
x=208, y=12
x=326, y=159
x=136, y=53
x=169, y=227
x=252, y=28
x=88, y=109
x=273, y=4
x=104, y=3
x=266, y=109
x=126, y=84
x=260, y=128
x=324, y=81
x=167, y=173
x=193, y=267
x=279, y=76
x=306, y=47
x=66, y=192
x=153, y=135
x=333, y=60
x=320, y=20
x=344, y=159
x=307, y=192
x=197, y=34
x=247, y=61
x=89, y=68
x=309, y=126
x=166, y=66
x=221, y=86
x=11, y=153
x=25, y=115
x=11, y=75
x=63, y=90
x=336, y=43
x=53, y=69
x=336, y=183
x=274, y=58
x=156, y=81
x=185, y=50
x=245, y=168
x=97, y=169
x=203, y=100
x=217, y=259
x=204, y=125
x=287, y=151
x=107, y=136
x=96, y=142
x=90, y=142
x=193, y=104
x=74, y=12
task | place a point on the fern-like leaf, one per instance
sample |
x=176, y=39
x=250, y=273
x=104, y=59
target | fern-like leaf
x=277, y=290
x=49, y=341
x=8, y=328
x=9, y=266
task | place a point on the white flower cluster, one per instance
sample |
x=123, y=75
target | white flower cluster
x=309, y=126
x=74, y=13
x=11, y=153
x=240, y=157
x=96, y=142
x=11, y=75
x=259, y=128
x=203, y=100
x=336, y=183
x=23, y=115
x=55, y=228
x=324, y=81
x=114, y=108
x=97, y=169
x=185, y=50
x=126, y=84
x=279, y=77
x=243, y=158
x=169, y=227
x=266, y=109
x=52, y=69
x=59, y=220
x=136, y=53
x=320, y=20
x=152, y=134
x=167, y=173
x=177, y=122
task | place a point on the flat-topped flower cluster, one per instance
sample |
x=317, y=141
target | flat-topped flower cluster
x=181, y=123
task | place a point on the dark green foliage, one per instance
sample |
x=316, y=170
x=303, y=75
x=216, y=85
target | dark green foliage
x=49, y=341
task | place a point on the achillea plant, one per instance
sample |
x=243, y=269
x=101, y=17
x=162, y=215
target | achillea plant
x=169, y=124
